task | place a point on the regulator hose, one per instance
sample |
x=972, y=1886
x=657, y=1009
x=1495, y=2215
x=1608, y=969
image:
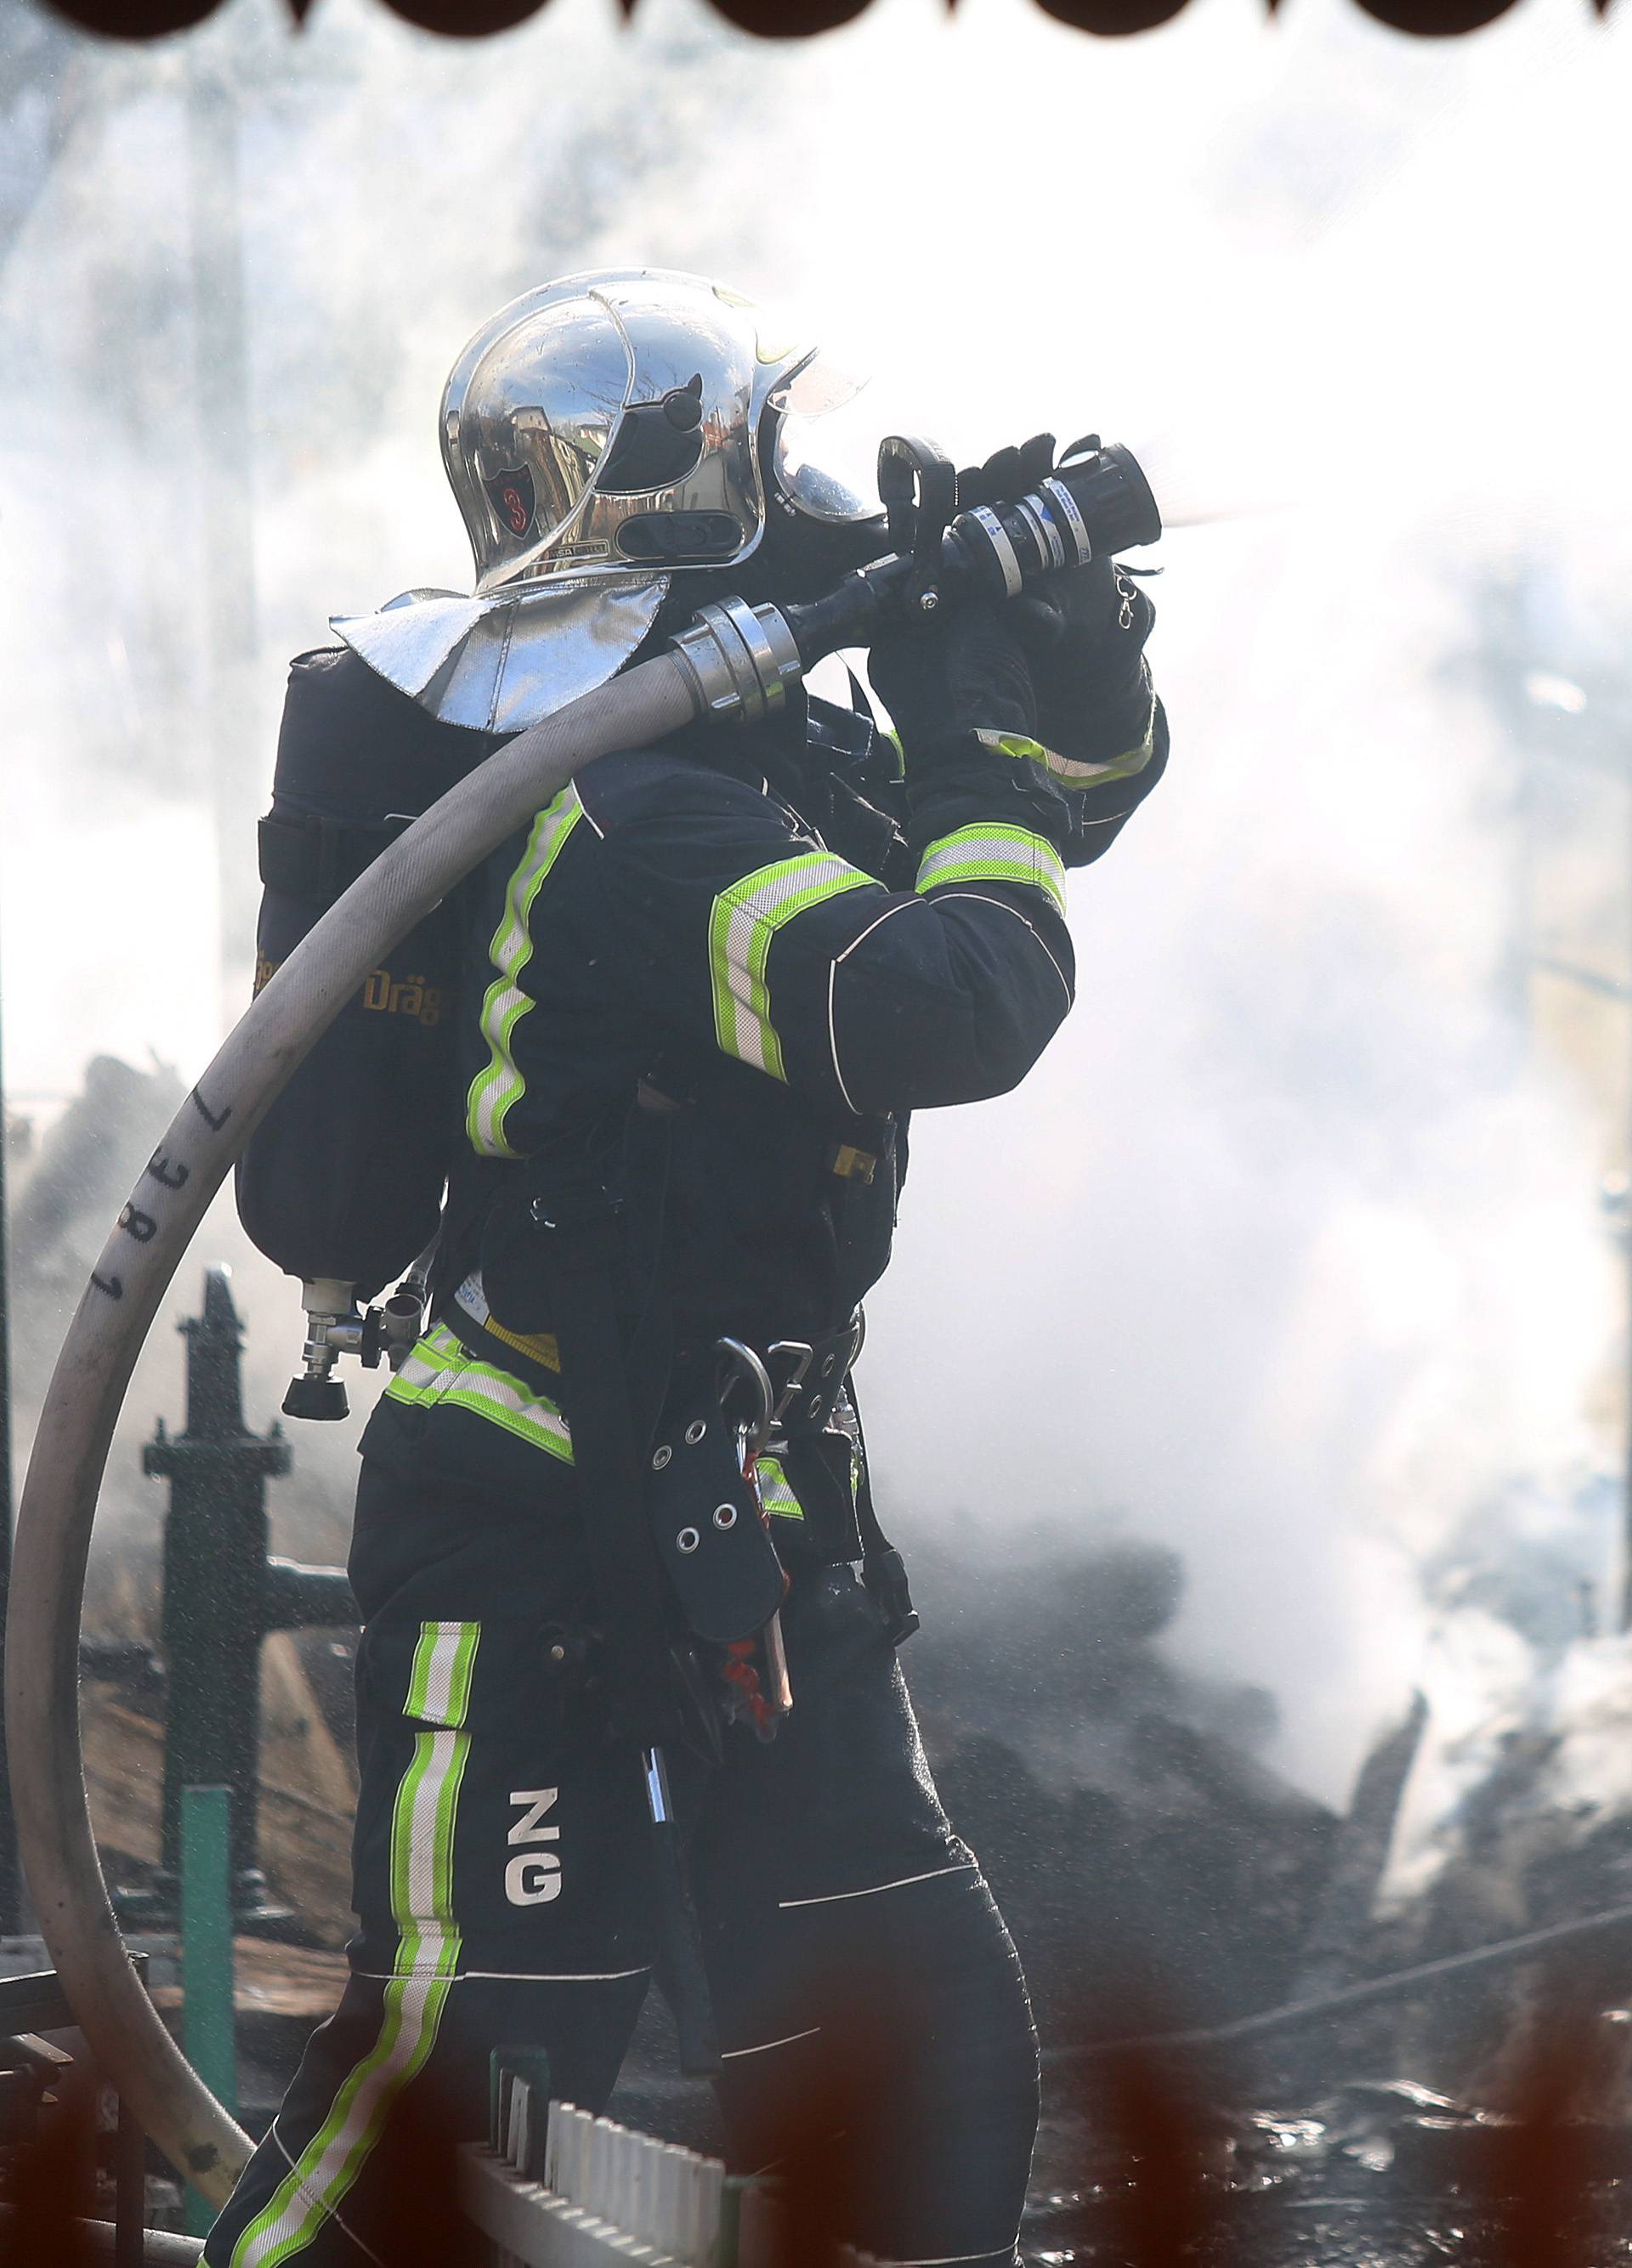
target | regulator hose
x=111, y=1323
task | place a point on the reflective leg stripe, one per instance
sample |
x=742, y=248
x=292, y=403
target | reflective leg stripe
x=995, y=853
x=1066, y=770
x=338, y=2220
x=741, y=926
x=428, y=1948
x=440, y=1689
x=495, y=1092
x=439, y=1373
x=776, y=1494
x=536, y=1976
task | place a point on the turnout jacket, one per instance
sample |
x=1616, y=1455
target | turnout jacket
x=716, y=992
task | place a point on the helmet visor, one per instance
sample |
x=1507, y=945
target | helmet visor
x=825, y=458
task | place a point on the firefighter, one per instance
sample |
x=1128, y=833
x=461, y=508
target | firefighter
x=662, y=1049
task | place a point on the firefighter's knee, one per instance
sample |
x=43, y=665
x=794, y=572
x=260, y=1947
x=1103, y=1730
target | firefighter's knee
x=911, y=2036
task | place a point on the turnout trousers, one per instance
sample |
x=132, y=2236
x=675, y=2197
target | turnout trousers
x=866, y=1991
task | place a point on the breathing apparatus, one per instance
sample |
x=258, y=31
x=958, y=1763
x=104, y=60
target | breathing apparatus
x=743, y=661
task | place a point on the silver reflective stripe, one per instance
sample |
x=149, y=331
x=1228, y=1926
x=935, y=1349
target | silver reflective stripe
x=496, y=1091
x=995, y=853
x=744, y=921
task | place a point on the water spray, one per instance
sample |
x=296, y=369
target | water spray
x=733, y=662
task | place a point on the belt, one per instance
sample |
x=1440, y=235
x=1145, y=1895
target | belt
x=803, y=1379
x=807, y=1375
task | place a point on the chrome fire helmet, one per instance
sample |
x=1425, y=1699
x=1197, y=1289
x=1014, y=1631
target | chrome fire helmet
x=599, y=433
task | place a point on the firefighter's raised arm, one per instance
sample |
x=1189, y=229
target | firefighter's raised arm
x=735, y=924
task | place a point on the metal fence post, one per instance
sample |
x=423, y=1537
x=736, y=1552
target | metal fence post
x=207, y=2015
x=214, y=1570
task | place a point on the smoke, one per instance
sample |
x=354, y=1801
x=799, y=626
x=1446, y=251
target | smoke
x=1288, y=1254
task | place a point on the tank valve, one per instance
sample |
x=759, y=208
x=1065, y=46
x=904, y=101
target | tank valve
x=403, y=1315
x=333, y=1328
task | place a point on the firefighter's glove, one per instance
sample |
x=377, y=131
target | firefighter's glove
x=1082, y=630
x=1008, y=474
x=959, y=688
x=946, y=676
x=1102, y=734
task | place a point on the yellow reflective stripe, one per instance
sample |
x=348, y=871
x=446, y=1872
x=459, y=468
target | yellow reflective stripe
x=743, y=922
x=428, y=1950
x=439, y=1683
x=496, y=1091
x=775, y=1493
x=1066, y=770
x=439, y=1373
x=991, y=853
x=539, y=1346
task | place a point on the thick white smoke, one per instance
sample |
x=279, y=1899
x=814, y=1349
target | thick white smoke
x=1289, y=1253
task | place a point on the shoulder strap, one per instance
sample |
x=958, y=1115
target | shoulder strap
x=316, y=859
x=884, y=1571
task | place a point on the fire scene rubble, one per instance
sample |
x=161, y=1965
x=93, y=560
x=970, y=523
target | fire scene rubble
x=1144, y=1856
x=1157, y=1875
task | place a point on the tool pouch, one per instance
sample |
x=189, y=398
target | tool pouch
x=707, y=1524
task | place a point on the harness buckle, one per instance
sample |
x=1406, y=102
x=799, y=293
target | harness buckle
x=804, y=1355
x=748, y=1366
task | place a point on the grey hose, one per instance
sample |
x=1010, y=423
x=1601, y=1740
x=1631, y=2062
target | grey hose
x=1399, y=1984
x=93, y=1369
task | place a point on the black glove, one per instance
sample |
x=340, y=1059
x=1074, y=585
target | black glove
x=946, y=677
x=958, y=687
x=1083, y=632
x=1083, y=629
x=1007, y=475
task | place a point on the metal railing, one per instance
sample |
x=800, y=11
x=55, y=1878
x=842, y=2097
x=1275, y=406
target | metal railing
x=559, y=2188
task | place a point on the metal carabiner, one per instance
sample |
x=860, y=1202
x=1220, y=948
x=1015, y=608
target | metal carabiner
x=748, y=1364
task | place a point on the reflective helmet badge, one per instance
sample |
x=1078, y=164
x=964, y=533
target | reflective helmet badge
x=511, y=493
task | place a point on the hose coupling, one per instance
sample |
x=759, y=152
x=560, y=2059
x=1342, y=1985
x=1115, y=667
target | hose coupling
x=741, y=659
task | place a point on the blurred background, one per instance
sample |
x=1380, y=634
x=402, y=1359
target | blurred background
x=1263, y=1360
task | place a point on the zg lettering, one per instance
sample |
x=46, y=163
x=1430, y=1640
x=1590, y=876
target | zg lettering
x=533, y=1877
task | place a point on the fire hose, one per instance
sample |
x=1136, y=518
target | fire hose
x=731, y=662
